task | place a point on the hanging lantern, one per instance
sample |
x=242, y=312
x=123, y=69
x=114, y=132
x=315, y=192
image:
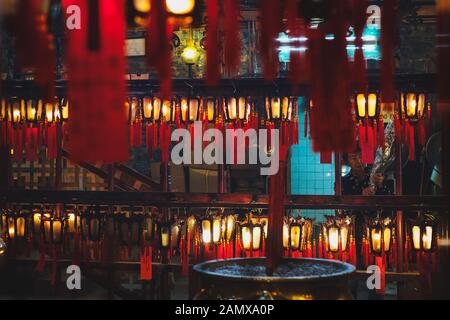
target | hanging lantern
x=265, y=224
x=64, y=109
x=413, y=105
x=129, y=228
x=91, y=225
x=168, y=110
x=293, y=235
x=190, y=54
x=211, y=230
x=34, y=111
x=280, y=108
x=17, y=225
x=16, y=112
x=191, y=223
x=367, y=105
x=133, y=110
x=53, y=229
x=423, y=233
x=52, y=113
x=210, y=106
x=143, y=6
x=190, y=109
x=175, y=235
x=147, y=109
x=73, y=222
x=228, y=227
x=337, y=233
x=380, y=235
x=236, y=108
x=164, y=236
x=251, y=235
x=148, y=228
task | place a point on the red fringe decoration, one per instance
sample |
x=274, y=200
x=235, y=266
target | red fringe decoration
x=31, y=144
x=232, y=36
x=158, y=46
x=270, y=13
x=212, y=43
x=389, y=35
x=51, y=143
x=96, y=90
x=146, y=263
x=32, y=37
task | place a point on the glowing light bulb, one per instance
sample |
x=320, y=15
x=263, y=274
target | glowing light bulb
x=180, y=6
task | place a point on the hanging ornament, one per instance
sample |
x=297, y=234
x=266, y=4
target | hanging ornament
x=96, y=90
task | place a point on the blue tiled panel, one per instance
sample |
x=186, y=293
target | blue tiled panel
x=308, y=175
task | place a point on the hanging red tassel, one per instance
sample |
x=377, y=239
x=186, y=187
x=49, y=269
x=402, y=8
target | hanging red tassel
x=379, y=261
x=270, y=13
x=232, y=38
x=52, y=149
x=298, y=65
x=389, y=41
x=32, y=37
x=422, y=132
x=409, y=130
x=359, y=15
x=326, y=157
x=149, y=131
x=31, y=144
x=146, y=263
x=212, y=43
x=159, y=55
x=96, y=90
x=17, y=142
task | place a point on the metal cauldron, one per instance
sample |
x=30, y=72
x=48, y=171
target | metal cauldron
x=214, y=283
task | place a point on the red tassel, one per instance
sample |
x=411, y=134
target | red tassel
x=232, y=38
x=146, y=263
x=379, y=261
x=149, y=139
x=270, y=13
x=359, y=14
x=212, y=43
x=325, y=157
x=31, y=143
x=96, y=90
x=411, y=141
x=159, y=55
x=52, y=149
x=389, y=35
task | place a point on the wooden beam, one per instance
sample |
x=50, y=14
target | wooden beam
x=215, y=200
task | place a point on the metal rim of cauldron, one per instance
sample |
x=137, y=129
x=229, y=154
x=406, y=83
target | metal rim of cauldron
x=347, y=270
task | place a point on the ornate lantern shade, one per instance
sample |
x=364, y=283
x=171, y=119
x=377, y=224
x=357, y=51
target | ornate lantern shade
x=332, y=237
x=251, y=236
x=210, y=107
x=190, y=109
x=17, y=225
x=413, y=105
x=133, y=110
x=52, y=113
x=16, y=111
x=236, y=108
x=53, y=228
x=164, y=236
x=293, y=235
x=64, y=109
x=175, y=235
x=148, y=228
x=167, y=110
x=73, y=222
x=34, y=111
x=211, y=230
x=91, y=225
x=367, y=105
x=423, y=234
x=380, y=235
x=228, y=228
x=147, y=109
x=279, y=108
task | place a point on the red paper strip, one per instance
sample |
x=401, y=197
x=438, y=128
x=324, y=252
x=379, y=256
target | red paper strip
x=96, y=90
x=232, y=38
x=146, y=263
x=212, y=43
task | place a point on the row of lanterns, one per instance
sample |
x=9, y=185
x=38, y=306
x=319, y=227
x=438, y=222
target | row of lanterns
x=214, y=229
x=412, y=115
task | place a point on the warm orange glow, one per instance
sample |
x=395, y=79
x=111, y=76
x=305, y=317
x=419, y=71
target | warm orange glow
x=387, y=236
x=37, y=223
x=49, y=117
x=20, y=227
x=295, y=236
x=164, y=237
x=72, y=219
x=285, y=236
x=206, y=231
x=143, y=6
x=190, y=54
x=167, y=111
x=333, y=239
x=147, y=108
x=217, y=229
x=361, y=104
x=65, y=110
x=194, y=108
x=174, y=235
x=256, y=237
x=16, y=114
x=276, y=108
x=376, y=240
x=427, y=238
x=191, y=224
x=372, y=105
x=180, y=6
x=210, y=108
x=246, y=237
x=344, y=237
x=416, y=237
x=157, y=108
x=411, y=105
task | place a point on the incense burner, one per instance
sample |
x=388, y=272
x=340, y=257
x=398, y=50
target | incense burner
x=294, y=279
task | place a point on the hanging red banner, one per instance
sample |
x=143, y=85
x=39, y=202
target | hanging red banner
x=96, y=90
